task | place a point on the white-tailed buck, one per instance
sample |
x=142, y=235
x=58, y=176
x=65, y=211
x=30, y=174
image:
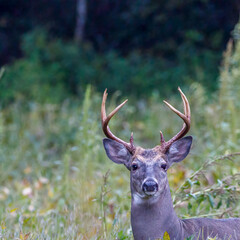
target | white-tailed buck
x=152, y=212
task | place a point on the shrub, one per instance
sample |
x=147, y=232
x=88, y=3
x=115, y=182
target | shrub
x=52, y=70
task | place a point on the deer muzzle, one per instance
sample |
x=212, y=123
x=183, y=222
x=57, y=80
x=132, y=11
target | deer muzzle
x=150, y=186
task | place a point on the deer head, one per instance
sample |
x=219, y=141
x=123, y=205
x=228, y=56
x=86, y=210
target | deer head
x=148, y=167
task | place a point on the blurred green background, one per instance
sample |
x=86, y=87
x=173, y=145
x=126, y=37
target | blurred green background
x=58, y=56
x=137, y=47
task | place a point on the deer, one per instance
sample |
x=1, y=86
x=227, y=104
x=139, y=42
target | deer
x=152, y=211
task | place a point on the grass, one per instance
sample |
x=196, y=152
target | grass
x=57, y=183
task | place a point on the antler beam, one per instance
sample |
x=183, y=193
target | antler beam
x=105, y=120
x=186, y=117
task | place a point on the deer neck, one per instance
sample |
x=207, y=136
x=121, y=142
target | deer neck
x=152, y=217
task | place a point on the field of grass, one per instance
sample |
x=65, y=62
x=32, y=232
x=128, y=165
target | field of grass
x=57, y=183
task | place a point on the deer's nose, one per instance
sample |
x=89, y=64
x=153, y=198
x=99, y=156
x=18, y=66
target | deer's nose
x=150, y=186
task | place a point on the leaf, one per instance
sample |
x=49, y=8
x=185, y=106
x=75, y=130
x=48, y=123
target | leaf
x=200, y=198
x=3, y=226
x=193, y=196
x=211, y=200
x=219, y=204
x=166, y=236
x=190, y=238
x=26, y=220
x=21, y=236
x=24, y=236
x=13, y=210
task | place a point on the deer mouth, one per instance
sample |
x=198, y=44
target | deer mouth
x=150, y=193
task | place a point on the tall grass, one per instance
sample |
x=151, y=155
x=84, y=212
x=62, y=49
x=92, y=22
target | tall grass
x=57, y=183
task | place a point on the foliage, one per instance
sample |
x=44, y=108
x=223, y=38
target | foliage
x=129, y=40
x=222, y=130
x=53, y=70
x=47, y=72
x=151, y=26
x=55, y=179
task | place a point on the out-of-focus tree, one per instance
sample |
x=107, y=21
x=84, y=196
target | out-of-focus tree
x=158, y=27
x=19, y=17
x=156, y=43
x=81, y=20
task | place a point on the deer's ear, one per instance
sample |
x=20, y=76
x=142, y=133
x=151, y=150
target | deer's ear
x=179, y=150
x=117, y=152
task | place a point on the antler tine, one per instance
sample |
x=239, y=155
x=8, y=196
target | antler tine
x=103, y=108
x=176, y=111
x=105, y=120
x=186, y=117
x=187, y=111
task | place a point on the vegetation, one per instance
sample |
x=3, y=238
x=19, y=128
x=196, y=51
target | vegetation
x=145, y=26
x=57, y=183
x=55, y=179
x=56, y=64
x=169, y=43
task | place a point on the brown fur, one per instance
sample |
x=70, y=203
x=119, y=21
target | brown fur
x=148, y=155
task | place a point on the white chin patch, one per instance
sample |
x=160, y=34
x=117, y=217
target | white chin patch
x=138, y=199
x=142, y=199
x=150, y=193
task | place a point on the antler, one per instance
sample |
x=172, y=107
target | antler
x=186, y=117
x=106, y=119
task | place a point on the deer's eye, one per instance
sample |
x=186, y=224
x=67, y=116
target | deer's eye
x=134, y=167
x=164, y=166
